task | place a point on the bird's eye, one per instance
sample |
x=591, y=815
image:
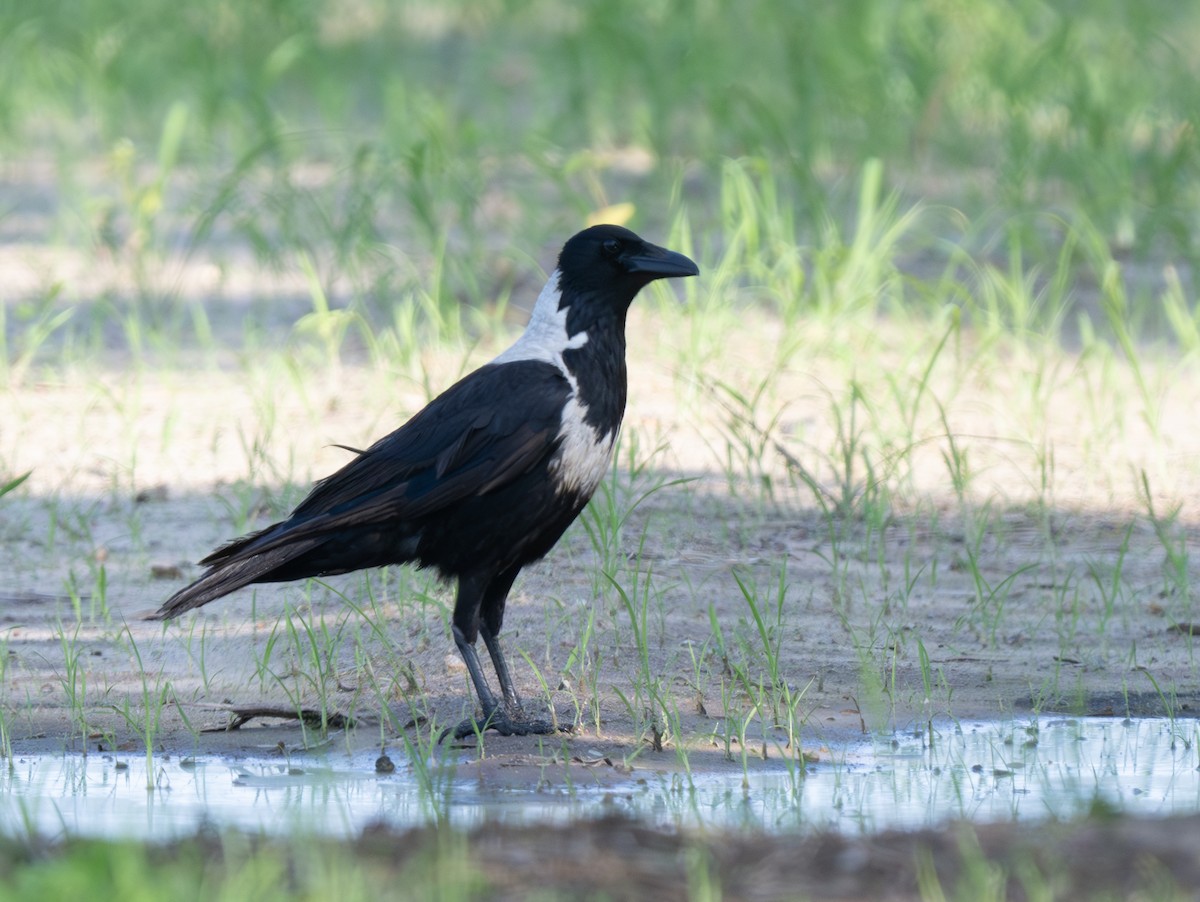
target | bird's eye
x=611, y=247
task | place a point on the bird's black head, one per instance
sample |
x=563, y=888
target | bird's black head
x=604, y=268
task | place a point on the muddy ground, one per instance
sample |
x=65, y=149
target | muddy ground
x=616, y=859
x=613, y=858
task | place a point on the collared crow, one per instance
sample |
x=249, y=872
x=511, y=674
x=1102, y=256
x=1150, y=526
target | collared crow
x=487, y=477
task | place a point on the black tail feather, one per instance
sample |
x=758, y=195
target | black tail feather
x=229, y=571
x=288, y=551
x=236, y=548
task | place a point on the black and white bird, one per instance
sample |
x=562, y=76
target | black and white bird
x=487, y=477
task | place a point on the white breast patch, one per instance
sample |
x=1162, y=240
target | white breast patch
x=584, y=455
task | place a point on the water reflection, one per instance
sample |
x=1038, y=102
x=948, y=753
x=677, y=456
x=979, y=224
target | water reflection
x=1030, y=769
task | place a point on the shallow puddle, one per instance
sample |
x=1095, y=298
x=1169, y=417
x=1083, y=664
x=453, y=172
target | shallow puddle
x=1032, y=769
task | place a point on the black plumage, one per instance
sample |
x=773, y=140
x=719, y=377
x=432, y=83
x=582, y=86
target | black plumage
x=488, y=476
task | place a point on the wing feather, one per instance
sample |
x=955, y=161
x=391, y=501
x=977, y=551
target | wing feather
x=476, y=437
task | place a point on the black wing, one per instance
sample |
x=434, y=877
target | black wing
x=477, y=435
x=480, y=434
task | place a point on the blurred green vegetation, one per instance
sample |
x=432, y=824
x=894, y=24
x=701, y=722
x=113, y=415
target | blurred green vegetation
x=1032, y=163
x=1020, y=106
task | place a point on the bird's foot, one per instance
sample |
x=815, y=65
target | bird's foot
x=506, y=722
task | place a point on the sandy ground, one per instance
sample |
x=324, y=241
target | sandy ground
x=1010, y=590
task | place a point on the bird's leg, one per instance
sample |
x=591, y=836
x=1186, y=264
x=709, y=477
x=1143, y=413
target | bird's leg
x=512, y=701
x=479, y=609
x=507, y=718
x=487, y=699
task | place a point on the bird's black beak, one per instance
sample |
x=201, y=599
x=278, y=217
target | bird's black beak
x=659, y=263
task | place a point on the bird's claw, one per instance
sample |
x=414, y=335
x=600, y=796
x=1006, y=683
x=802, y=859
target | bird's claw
x=504, y=722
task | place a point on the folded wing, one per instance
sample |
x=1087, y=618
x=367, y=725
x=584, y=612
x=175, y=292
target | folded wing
x=479, y=435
